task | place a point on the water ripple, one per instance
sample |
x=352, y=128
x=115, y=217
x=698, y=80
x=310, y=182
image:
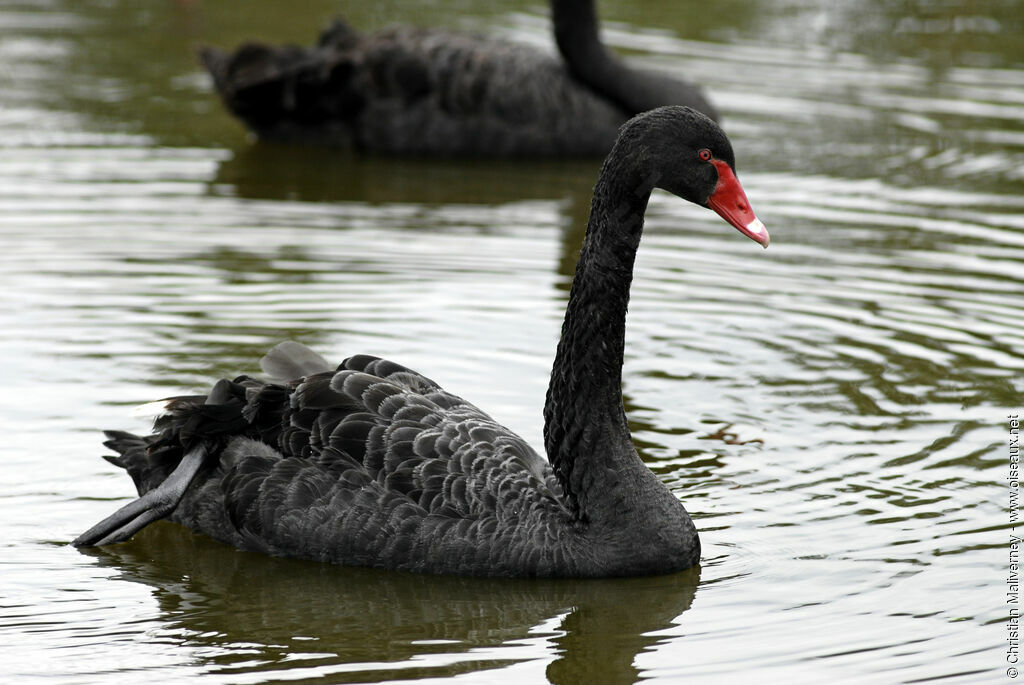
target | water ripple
x=831, y=410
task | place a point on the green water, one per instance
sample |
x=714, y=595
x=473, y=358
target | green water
x=833, y=410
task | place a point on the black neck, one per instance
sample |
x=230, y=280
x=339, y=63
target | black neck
x=576, y=32
x=585, y=431
x=591, y=63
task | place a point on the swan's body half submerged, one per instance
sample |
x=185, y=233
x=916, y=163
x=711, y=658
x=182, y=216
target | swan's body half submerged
x=434, y=92
x=372, y=464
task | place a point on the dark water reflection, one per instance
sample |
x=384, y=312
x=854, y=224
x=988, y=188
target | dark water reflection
x=327, y=624
x=274, y=171
x=832, y=410
x=277, y=172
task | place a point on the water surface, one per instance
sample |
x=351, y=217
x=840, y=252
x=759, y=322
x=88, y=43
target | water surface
x=832, y=410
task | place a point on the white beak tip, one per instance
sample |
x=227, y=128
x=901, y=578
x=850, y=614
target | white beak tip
x=756, y=230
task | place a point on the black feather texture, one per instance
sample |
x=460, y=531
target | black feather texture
x=433, y=92
x=373, y=464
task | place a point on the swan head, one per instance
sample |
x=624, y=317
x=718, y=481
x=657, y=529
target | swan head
x=686, y=153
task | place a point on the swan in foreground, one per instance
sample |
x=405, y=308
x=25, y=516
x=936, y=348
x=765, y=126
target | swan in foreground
x=372, y=464
x=434, y=92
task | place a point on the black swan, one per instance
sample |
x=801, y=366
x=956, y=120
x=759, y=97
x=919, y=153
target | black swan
x=432, y=92
x=372, y=464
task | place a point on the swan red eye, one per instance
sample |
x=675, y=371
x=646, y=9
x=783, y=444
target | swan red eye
x=705, y=154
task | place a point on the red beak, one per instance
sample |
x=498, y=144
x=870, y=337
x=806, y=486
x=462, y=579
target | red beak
x=730, y=202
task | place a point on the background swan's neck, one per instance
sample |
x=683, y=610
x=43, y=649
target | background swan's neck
x=585, y=431
x=590, y=62
x=577, y=35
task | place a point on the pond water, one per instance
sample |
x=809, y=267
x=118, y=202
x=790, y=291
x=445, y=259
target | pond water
x=833, y=410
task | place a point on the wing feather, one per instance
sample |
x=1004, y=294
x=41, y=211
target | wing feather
x=372, y=464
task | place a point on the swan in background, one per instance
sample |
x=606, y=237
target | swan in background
x=372, y=464
x=434, y=92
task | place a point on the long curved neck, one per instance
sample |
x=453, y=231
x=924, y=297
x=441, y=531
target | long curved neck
x=585, y=431
x=594, y=65
x=576, y=33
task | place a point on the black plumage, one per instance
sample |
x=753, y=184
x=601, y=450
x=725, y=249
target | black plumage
x=373, y=464
x=433, y=92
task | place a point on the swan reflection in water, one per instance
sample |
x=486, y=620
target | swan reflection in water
x=245, y=613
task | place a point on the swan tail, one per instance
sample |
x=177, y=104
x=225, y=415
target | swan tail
x=152, y=506
x=285, y=92
x=164, y=465
x=131, y=455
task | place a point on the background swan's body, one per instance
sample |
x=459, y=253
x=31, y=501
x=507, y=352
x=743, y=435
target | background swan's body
x=372, y=464
x=440, y=93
